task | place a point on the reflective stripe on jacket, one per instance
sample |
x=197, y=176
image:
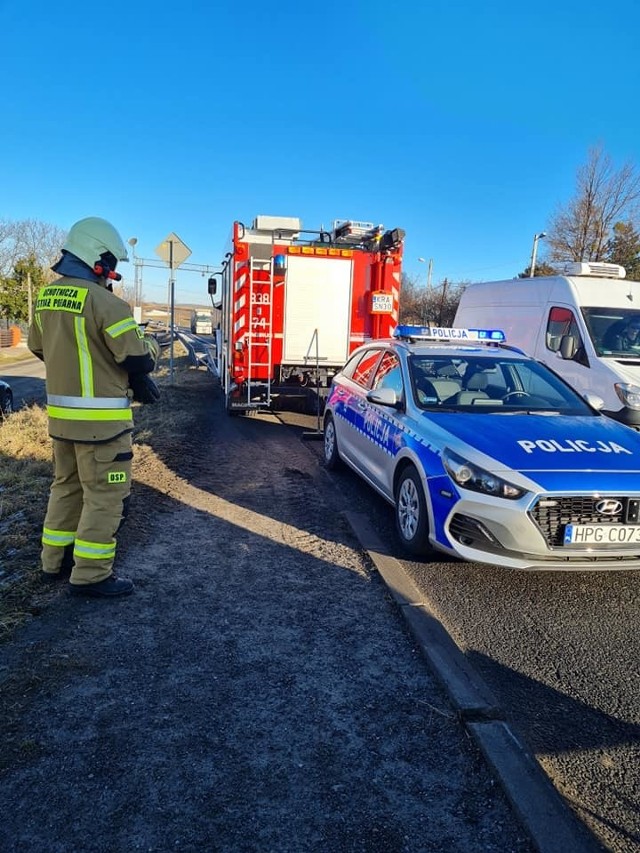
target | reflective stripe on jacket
x=83, y=333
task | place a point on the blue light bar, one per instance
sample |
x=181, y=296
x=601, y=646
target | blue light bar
x=440, y=333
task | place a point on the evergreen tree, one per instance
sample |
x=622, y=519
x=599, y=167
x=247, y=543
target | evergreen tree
x=624, y=249
x=14, y=290
x=542, y=268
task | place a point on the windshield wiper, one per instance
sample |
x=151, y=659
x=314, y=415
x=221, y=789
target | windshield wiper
x=529, y=412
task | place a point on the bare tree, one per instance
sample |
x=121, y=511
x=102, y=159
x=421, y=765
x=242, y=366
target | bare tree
x=125, y=291
x=28, y=238
x=412, y=300
x=435, y=306
x=581, y=230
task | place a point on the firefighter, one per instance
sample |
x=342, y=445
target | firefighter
x=97, y=361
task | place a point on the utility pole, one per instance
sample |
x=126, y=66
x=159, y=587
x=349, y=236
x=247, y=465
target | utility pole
x=29, y=299
x=534, y=252
x=429, y=271
x=428, y=291
x=173, y=251
x=172, y=292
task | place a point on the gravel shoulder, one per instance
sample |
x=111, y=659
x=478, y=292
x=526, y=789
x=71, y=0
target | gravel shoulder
x=259, y=692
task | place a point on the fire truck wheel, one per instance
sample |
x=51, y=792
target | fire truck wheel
x=331, y=456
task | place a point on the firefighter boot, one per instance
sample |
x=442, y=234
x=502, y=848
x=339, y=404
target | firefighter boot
x=65, y=569
x=110, y=587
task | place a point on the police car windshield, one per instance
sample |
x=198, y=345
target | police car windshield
x=489, y=384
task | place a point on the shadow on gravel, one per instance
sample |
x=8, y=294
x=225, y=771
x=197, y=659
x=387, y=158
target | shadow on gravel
x=259, y=692
x=256, y=693
x=235, y=458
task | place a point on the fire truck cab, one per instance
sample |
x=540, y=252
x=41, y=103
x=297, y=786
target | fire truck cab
x=295, y=303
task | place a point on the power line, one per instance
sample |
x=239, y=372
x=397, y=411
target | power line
x=201, y=268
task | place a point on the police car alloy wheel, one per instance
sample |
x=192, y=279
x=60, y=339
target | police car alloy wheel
x=411, y=512
x=331, y=458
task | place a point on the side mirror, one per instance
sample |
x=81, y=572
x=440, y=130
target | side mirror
x=385, y=397
x=568, y=346
x=593, y=400
x=212, y=285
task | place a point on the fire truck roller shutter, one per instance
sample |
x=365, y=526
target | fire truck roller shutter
x=318, y=296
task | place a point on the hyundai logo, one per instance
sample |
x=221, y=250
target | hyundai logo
x=610, y=506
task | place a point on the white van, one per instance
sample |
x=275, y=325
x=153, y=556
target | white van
x=572, y=323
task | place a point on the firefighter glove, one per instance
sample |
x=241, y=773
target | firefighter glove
x=144, y=388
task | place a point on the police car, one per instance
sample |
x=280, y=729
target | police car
x=485, y=453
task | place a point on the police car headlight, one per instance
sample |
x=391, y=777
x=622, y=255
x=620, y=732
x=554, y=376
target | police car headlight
x=471, y=476
x=629, y=394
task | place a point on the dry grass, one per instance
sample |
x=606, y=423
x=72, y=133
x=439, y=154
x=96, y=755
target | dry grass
x=168, y=416
x=26, y=470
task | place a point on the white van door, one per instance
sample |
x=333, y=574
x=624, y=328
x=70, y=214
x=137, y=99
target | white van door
x=580, y=372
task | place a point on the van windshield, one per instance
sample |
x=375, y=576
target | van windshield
x=615, y=332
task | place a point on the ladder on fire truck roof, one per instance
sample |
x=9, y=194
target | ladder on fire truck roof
x=354, y=233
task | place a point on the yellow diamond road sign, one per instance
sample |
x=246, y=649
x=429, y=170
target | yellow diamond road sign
x=173, y=251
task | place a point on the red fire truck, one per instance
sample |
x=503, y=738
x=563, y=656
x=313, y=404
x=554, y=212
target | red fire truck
x=295, y=303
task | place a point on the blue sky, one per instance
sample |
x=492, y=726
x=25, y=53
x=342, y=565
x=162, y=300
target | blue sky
x=462, y=122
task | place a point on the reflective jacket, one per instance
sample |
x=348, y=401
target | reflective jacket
x=89, y=342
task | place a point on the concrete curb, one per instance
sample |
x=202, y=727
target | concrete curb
x=552, y=826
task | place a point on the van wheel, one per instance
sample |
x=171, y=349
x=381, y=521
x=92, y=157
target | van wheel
x=411, y=513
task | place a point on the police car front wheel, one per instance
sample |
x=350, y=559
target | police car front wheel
x=411, y=512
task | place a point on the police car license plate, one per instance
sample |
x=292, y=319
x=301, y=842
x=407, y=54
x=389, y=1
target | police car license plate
x=601, y=534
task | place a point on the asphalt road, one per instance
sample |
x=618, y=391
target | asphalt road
x=27, y=380
x=560, y=650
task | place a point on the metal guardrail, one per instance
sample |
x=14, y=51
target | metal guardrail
x=205, y=357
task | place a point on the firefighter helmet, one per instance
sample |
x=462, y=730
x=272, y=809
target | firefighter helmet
x=89, y=239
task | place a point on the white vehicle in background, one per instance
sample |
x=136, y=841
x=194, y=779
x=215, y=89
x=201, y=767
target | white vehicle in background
x=201, y=322
x=576, y=323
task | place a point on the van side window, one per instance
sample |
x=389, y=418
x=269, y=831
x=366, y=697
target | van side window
x=561, y=322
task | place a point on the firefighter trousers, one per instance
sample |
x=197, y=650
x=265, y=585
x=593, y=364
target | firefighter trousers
x=87, y=505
